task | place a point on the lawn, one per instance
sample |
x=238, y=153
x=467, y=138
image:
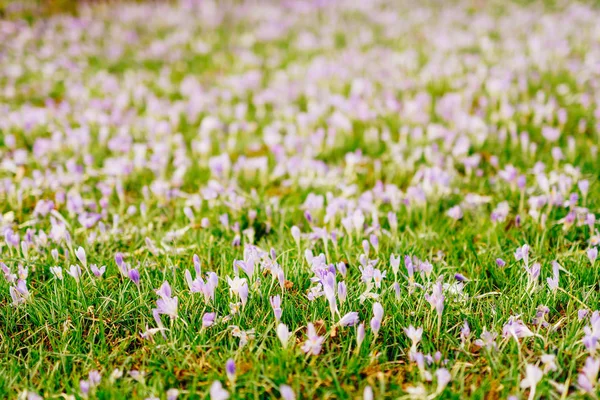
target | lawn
x=299, y=199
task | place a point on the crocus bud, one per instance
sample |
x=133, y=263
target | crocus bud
x=230, y=370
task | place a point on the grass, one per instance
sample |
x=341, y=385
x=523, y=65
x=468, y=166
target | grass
x=109, y=120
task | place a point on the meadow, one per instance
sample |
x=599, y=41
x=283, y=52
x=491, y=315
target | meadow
x=300, y=199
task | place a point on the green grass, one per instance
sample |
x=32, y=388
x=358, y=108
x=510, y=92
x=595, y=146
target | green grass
x=66, y=329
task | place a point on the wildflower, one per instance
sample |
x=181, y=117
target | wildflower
x=98, y=272
x=287, y=393
x=500, y=262
x=208, y=319
x=239, y=286
x=368, y=393
x=276, y=305
x=378, y=277
x=443, y=378
x=592, y=254
x=436, y=298
x=57, y=272
x=487, y=340
x=80, y=253
x=342, y=292
x=8, y=275
x=548, y=361
x=283, y=334
x=588, y=377
x=166, y=304
x=414, y=335
x=350, y=319
x=314, y=342
x=360, y=335
x=150, y=332
x=134, y=275
x=244, y=336
x=516, y=328
x=465, y=332
x=84, y=388
x=296, y=234
x=522, y=253
x=553, y=282
x=396, y=287
x=591, y=336
x=395, y=264
x=377, y=317
x=172, y=394
x=455, y=213
x=230, y=370
x=217, y=392
x=75, y=272
x=533, y=375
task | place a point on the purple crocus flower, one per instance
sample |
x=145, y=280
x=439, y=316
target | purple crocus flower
x=98, y=272
x=592, y=254
x=349, y=319
x=230, y=370
x=287, y=393
x=134, y=275
x=166, y=304
x=276, y=305
x=208, y=319
x=314, y=341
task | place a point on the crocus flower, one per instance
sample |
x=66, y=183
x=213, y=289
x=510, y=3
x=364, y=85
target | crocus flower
x=80, y=253
x=287, y=393
x=533, y=376
x=395, y=264
x=548, y=361
x=283, y=334
x=522, y=253
x=98, y=272
x=238, y=286
x=75, y=272
x=134, y=275
x=217, y=392
x=208, y=319
x=84, y=388
x=19, y=293
x=342, y=292
x=455, y=213
x=230, y=370
x=57, y=272
x=172, y=394
x=350, y=319
x=414, y=334
x=516, y=328
x=368, y=393
x=487, y=340
x=553, y=282
x=313, y=343
x=377, y=317
x=436, y=298
x=588, y=377
x=276, y=305
x=465, y=332
x=592, y=254
x=296, y=234
x=443, y=378
x=166, y=304
x=360, y=335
